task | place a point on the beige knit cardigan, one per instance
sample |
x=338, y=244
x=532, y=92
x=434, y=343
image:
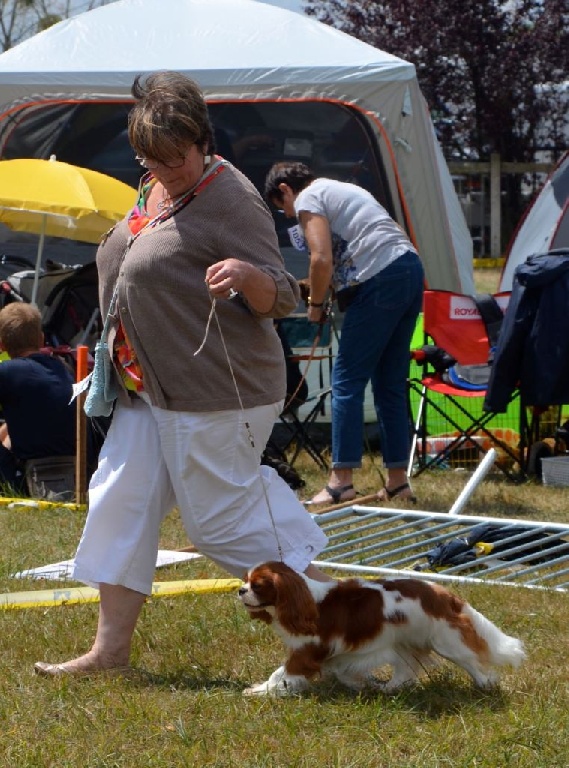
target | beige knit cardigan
x=163, y=302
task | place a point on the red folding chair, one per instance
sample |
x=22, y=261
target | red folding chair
x=450, y=424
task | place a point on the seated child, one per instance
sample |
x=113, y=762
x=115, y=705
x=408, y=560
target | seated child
x=35, y=390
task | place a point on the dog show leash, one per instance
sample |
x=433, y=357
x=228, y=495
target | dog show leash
x=250, y=436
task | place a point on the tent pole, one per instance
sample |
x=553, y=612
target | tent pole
x=38, y=261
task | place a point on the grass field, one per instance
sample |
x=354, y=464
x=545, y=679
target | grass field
x=194, y=654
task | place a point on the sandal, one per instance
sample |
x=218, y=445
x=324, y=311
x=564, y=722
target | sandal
x=397, y=493
x=335, y=494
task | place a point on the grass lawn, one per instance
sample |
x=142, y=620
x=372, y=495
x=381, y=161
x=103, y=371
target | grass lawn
x=487, y=279
x=194, y=654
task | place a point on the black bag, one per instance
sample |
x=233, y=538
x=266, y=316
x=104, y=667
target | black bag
x=284, y=470
x=346, y=297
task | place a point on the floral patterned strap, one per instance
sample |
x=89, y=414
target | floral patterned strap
x=123, y=351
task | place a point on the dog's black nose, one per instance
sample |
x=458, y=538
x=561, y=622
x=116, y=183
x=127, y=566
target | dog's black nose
x=242, y=590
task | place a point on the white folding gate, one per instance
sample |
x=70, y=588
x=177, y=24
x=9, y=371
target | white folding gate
x=375, y=540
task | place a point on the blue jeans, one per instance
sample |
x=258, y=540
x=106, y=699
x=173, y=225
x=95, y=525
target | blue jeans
x=374, y=346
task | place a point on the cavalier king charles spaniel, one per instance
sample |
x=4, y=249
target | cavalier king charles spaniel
x=349, y=628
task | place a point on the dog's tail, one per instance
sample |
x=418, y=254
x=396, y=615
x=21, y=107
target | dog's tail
x=503, y=648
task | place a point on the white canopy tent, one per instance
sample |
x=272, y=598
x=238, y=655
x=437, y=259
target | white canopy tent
x=545, y=224
x=250, y=51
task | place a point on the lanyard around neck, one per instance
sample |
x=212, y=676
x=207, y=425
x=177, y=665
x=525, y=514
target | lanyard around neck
x=210, y=174
x=182, y=201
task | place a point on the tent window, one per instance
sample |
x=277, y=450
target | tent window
x=332, y=138
x=335, y=140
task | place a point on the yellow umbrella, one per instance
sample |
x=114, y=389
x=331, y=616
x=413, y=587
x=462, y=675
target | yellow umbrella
x=51, y=198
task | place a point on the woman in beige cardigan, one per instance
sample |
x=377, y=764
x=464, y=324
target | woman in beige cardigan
x=199, y=392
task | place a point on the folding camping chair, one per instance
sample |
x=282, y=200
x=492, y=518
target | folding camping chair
x=310, y=347
x=450, y=425
x=70, y=311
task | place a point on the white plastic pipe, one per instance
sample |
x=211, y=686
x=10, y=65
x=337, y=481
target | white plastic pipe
x=474, y=482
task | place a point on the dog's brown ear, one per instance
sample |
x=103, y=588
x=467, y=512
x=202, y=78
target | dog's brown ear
x=295, y=607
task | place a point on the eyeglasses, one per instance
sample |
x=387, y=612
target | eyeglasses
x=151, y=165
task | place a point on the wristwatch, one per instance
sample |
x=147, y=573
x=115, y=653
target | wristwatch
x=314, y=303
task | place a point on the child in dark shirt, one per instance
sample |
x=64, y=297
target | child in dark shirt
x=35, y=394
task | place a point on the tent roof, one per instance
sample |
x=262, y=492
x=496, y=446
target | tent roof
x=279, y=46
x=249, y=50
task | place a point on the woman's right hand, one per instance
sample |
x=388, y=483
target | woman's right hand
x=226, y=277
x=315, y=314
x=230, y=276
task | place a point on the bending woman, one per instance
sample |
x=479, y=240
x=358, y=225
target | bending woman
x=357, y=249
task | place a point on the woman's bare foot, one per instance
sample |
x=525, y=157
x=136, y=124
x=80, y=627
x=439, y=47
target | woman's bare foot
x=88, y=664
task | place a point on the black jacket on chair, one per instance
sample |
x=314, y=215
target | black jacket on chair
x=532, y=353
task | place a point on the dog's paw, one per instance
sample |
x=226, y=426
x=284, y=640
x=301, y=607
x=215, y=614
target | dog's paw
x=394, y=686
x=268, y=689
x=278, y=684
x=487, y=682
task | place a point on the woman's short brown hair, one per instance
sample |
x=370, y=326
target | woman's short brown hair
x=20, y=328
x=170, y=114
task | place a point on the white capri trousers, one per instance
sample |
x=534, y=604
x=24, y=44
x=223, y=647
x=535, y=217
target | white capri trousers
x=203, y=463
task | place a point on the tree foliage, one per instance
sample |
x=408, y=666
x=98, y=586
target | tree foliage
x=494, y=74
x=20, y=19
